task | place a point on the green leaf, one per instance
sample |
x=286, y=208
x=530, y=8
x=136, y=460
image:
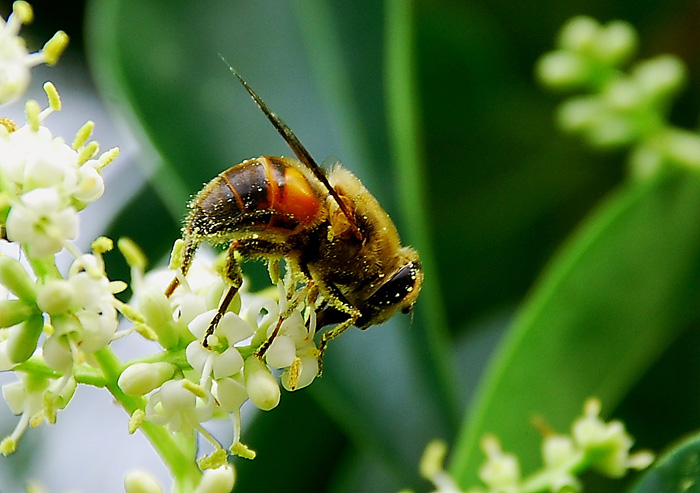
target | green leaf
x=614, y=299
x=677, y=472
x=306, y=450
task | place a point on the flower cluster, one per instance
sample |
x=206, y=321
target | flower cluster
x=593, y=444
x=217, y=379
x=622, y=108
x=43, y=183
x=56, y=327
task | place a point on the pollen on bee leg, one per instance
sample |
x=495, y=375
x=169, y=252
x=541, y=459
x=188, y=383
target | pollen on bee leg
x=273, y=268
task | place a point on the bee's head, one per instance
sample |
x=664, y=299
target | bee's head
x=397, y=293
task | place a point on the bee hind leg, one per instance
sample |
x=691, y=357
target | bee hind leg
x=234, y=275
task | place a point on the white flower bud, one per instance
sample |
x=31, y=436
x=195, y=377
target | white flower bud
x=13, y=312
x=218, y=480
x=557, y=450
x=261, y=386
x=141, y=378
x=611, y=131
x=23, y=338
x=615, y=43
x=579, y=34
x=57, y=354
x=578, y=114
x=140, y=482
x=660, y=77
x=90, y=186
x=55, y=296
x=15, y=278
x=562, y=70
x=645, y=161
x=501, y=469
x=156, y=308
x=623, y=95
x=684, y=148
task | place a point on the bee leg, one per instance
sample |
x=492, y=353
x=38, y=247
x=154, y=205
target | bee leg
x=332, y=334
x=293, y=303
x=235, y=277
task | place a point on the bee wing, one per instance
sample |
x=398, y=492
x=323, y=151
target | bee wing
x=297, y=147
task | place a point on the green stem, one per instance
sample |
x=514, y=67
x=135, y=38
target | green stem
x=177, y=453
x=405, y=136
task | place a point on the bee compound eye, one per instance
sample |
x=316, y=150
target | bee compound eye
x=396, y=288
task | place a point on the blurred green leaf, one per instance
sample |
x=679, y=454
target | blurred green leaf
x=678, y=471
x=608, y=306
x=307, y=446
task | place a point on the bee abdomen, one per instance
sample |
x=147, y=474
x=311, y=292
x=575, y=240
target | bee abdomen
x=266, y=192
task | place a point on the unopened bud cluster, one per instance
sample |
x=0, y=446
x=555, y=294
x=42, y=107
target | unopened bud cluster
x=592, y=444
x=619, y=107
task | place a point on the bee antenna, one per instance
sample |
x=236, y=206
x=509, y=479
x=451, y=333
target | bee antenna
x=297, y=147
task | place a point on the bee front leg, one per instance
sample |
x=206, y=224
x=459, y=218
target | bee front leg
x=235, y=277
x=294, y=300
x=328, y=336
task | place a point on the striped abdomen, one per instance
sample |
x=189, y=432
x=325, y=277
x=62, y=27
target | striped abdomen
x=264, y=193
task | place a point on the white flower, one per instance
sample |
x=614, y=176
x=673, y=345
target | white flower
x=218, y=480
x=35, y=398
x=15, y=60
x=43, y=161
x=41, y=222
x=501, y=470
x=176, y=405
x=295, y=350
x=230, y=330
x=230, y=393
x=221, y=357
x=89, y=283
x=261, y=386
x=141, y=378
x=607, y=443
x=97, y=328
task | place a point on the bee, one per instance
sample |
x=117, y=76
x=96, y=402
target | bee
x=330, y=230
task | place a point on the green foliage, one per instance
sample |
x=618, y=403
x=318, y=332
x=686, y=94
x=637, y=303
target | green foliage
x=501, y=192
x=677, y=471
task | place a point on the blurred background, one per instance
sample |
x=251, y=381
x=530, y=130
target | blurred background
x=501, y=190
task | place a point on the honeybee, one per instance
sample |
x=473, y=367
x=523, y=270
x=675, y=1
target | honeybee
x=329, y=229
